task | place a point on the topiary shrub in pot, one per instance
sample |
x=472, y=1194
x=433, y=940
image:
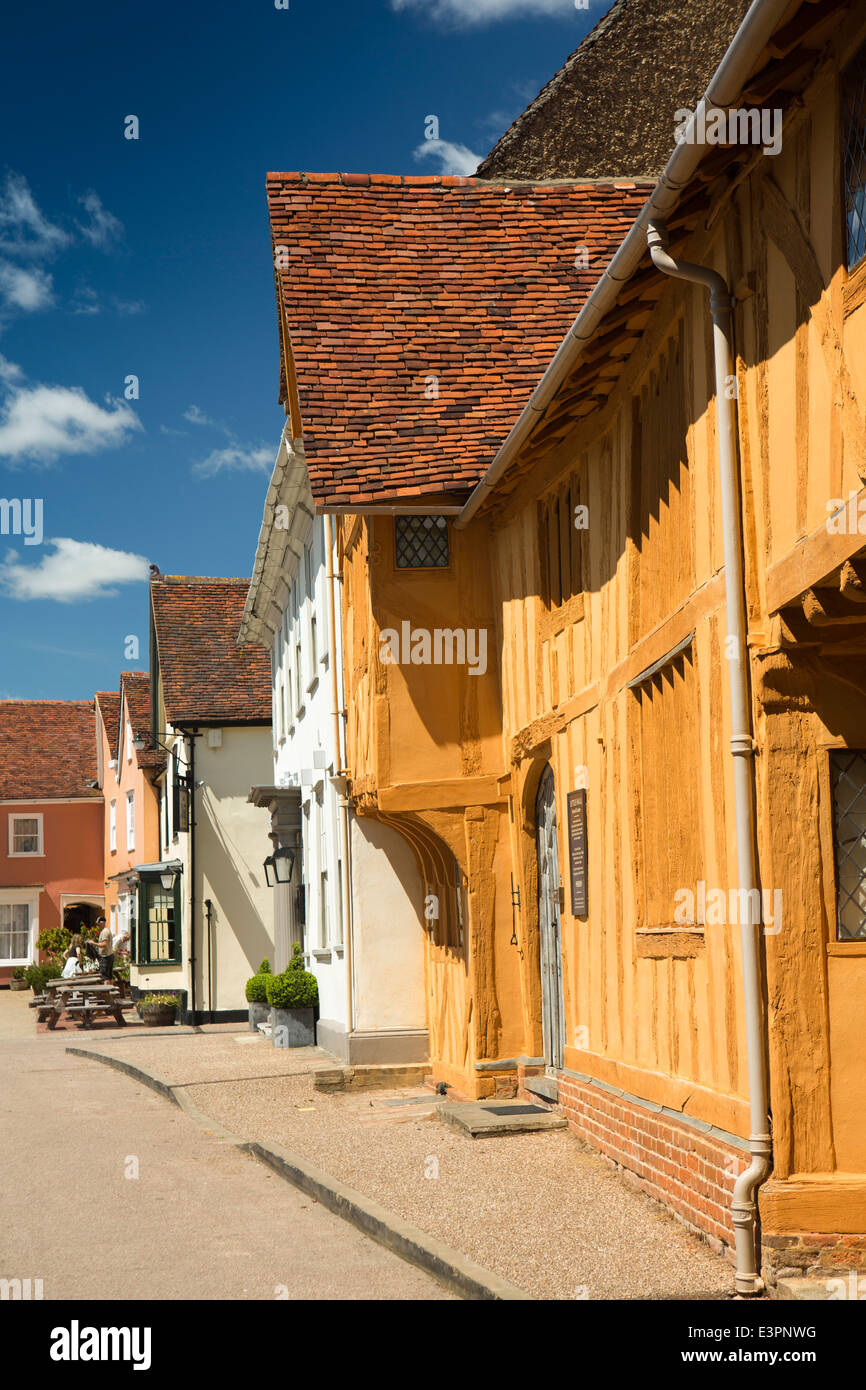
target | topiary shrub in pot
x=18, y=982
x=293, y=997
x=257, y=998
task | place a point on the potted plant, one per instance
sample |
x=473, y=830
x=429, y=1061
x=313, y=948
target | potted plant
x=293, y=997
x=158, y=1010
x=18, y=982
x=257, y=998
x=36, y=975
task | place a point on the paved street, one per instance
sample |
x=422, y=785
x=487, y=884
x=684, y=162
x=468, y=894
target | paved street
x=575, y=1229
x=199, y=1221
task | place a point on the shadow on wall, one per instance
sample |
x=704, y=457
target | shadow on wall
x=447, y=693
x=234, y=903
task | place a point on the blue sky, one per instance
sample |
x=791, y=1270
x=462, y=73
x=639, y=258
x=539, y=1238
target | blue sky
x=149, y=258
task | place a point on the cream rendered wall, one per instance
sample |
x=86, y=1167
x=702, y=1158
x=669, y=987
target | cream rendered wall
x=388, y=934
x=231, y=846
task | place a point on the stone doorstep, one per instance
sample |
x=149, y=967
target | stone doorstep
x=804, y=1290
x=475, y=1118
x=546, y=1087
x=372, y=1077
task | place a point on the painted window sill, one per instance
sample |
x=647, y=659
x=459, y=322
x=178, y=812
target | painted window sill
x=323, y=954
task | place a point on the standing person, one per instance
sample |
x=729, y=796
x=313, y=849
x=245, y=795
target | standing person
x=105, y=950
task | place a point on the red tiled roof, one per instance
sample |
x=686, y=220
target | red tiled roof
x=206, y=676
x=109, y=707
x=47, y=749
x=391, y=281
x=136, y=693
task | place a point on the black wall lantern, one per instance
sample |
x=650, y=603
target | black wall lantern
x=279, y=866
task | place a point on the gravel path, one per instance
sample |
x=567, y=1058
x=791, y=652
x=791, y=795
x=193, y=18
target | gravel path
x=542, y=1210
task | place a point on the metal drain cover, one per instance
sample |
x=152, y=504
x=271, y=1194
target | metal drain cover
x=515, y=1109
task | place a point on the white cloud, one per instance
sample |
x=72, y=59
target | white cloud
x=85, y=301
x=24, y=230
x=25, y=289
x=234, y=459
x=75, y=570
x=198, y=417
x=9, y=371
x=127, y=307
x=453, y=159
x=104, y=228
x=40, y=423
x=466, y=13
x=518, y=95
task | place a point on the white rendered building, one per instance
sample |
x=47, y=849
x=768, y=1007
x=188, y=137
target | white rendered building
x=352, y=900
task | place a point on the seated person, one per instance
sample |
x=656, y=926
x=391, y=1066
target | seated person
x=74, y=958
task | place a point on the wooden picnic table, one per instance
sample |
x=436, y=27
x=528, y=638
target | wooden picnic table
x=92, y=977
x=79, y=997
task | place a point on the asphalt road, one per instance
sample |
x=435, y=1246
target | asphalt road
x=110, y=1192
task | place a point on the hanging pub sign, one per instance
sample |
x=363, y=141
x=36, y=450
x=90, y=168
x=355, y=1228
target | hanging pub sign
x=577, y=853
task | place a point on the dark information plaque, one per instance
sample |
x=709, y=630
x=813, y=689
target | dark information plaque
x=577, y=852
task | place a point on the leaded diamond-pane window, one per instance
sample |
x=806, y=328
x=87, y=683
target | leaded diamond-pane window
x=421, y=542
x=854, y=161
x=848, y=778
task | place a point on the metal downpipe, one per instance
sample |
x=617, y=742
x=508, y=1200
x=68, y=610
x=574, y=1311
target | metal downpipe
x=744, y=1209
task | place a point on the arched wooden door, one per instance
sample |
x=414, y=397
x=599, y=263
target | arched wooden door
x=552, y=999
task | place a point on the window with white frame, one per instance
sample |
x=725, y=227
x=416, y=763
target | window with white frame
x=130, y=820
x=324, y=903
x=112, y=826
x=280, y=710
x=314, y=649
x=25, y=836
x=128, y=742
x=18, y=924
x=323, y=910
x=339, y=934
x=113, y=923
